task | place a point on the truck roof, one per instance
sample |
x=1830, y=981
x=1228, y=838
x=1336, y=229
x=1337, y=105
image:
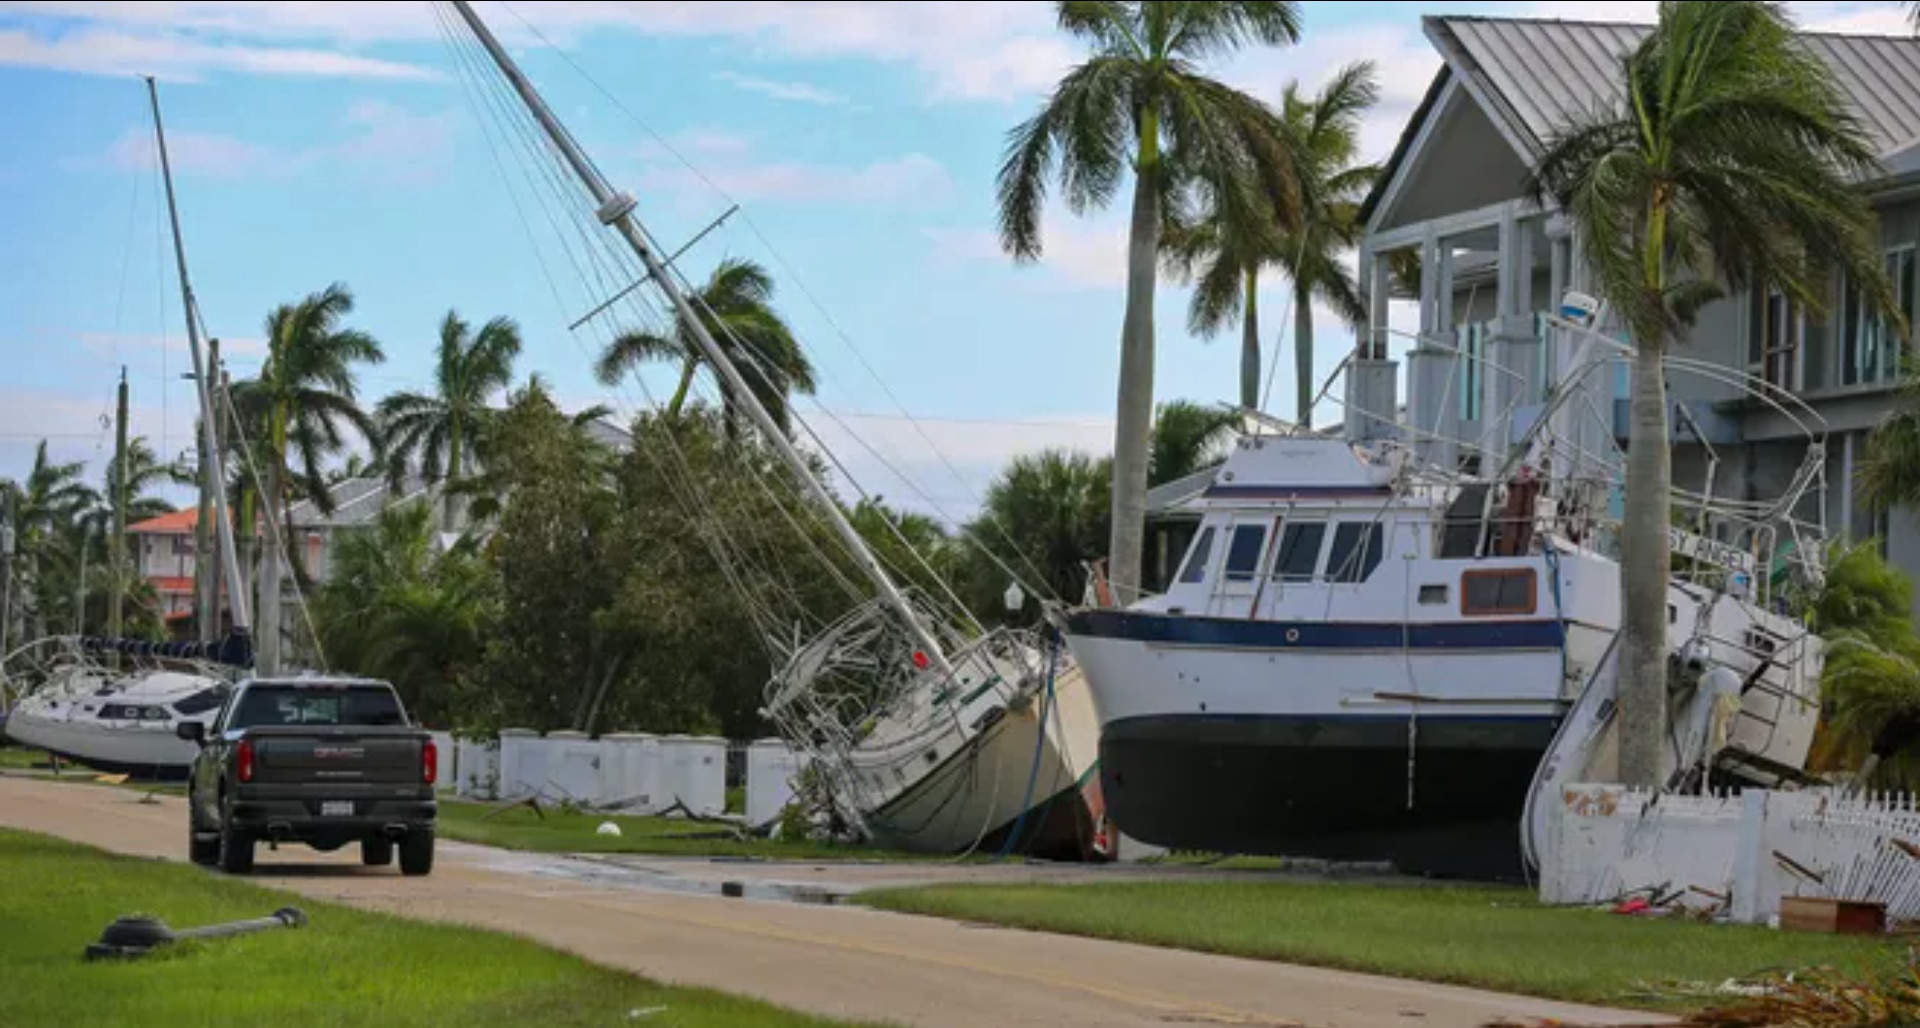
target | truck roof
x=318, y=683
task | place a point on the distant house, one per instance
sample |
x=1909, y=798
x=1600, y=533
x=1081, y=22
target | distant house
x=1491, y=262
x=165, y=554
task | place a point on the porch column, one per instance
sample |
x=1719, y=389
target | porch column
x=1373, y=382
x=1513, y=352
x=1434, y=365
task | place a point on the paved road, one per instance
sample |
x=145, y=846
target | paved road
x=842, y=962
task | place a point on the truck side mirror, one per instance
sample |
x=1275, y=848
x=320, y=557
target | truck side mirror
x=191, y=731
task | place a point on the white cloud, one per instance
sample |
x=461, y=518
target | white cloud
x=911, y=177
x=799, y=92
x=380, y=135
x=942, y=466
x=108, y=52
x=80, y=428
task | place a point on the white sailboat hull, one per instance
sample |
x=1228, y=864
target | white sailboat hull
x=78, y=717
x=976, y=796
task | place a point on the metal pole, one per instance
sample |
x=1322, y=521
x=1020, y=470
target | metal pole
x=117, y=544
x=80, y=588
x=236, y=589
x=616, y=212
x=206, y=581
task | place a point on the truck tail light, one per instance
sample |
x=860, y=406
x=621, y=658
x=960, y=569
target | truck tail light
x=243, y=760
x=429, y=762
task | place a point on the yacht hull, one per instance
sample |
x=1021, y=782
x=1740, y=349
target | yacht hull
x=139, y=752
x=1323, y=740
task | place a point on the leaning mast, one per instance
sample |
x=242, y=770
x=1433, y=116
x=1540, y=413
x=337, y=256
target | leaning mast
x=616, y=211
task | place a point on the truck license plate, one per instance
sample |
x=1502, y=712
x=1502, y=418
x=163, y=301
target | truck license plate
x=338, y=809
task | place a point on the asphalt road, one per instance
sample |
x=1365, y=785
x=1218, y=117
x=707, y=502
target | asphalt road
x=837, y=961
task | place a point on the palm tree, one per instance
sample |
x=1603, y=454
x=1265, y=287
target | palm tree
x=737, y=307
x=303, y=403
x=445, y=430
x=1141, y=101
x=1225, y=258
x=1732, y=162
x=1188, y=438
x=40, y=509
x=1046, y=512
x=144, y=472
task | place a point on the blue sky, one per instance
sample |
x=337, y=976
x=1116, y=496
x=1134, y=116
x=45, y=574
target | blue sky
x=317, y=143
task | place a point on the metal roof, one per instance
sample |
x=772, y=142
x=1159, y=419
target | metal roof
x=1550, y=73
x=1535, y=76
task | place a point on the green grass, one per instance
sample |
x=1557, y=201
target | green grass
x=519, y=828
x=345, y=968
x=15, y=758
x=1491, y=938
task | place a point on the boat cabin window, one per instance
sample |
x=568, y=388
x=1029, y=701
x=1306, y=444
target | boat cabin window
x=1198, y=558
x=201, y=702
x=1435, y=595
x=1499, y=593
x=1356, y=553
x=1300, y=551
x=1244, y=550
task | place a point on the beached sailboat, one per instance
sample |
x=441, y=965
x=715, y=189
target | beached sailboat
x=1367, y=657
x=115, y=704
x=921, y=729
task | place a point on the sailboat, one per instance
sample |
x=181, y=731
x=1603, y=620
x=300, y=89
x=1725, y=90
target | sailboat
x=1366, y=655
x=920, y=730
x=116, y=704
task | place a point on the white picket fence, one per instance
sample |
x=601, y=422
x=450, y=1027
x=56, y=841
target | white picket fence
x=1744, y=852
x=631, y=774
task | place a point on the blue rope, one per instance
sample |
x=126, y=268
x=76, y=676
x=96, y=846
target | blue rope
x=1039, y=747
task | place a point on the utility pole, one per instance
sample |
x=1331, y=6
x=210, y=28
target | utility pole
x=6, y=569
x=206, y=584
x=117, y=545
x=80, y=589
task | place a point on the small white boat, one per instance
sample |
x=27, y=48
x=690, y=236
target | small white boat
x=74, y=704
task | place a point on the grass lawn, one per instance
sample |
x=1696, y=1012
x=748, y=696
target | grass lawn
x=345, y=968
x=519, y=828
x=15, y=758
x=1486, y=937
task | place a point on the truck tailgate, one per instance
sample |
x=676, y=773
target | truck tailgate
x=347, y=756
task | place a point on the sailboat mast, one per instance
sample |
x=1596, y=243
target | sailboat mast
x=616, y=212
x=217, y=481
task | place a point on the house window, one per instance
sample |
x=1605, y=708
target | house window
x=1244, y=551
x=1499, y=593
x=1197, y=559
x=1779, y=333
x=1473, y=355
x=1871, y=347
x=1356, y=553
x=1300, y=551
x=183, y=546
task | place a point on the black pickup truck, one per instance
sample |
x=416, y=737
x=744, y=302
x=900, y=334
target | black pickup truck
x=317, y=761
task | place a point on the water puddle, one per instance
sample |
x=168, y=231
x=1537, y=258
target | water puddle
x=592, y=872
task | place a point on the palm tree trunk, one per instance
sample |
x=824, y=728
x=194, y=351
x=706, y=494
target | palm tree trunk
x=1303, y=356
x=449, y=504
x=1645, y=564
x=1134, y=416
x=1250, y=344
x=687, y=370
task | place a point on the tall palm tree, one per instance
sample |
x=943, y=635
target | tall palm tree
x=1225, y=258
x=1188, y=438
x=1731, y=162
x=40, y=509
x=737, y=307
x=144, y=473
x=303, y=402
x=1142, y=102
x=445, y=430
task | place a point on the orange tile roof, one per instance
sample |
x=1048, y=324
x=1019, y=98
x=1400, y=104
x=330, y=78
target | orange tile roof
x=180, y=522
x=172, y=585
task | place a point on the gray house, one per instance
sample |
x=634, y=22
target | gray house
x=1490, y=263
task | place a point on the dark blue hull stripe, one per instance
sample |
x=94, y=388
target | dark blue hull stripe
x=1316, y=635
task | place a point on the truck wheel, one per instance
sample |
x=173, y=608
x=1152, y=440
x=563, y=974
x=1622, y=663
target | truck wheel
x=376, y=852
x=416, y=854
x=236, y=849
x=203, y=850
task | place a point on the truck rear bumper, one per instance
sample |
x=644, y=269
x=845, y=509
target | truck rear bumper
x=310, y=820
